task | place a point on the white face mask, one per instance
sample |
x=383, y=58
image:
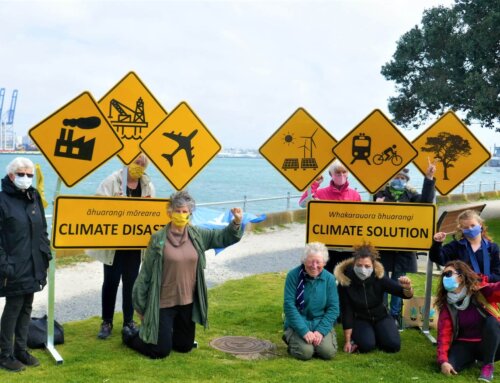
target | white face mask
x=23, y=183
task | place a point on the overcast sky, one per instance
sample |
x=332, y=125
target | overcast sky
x=243, y=66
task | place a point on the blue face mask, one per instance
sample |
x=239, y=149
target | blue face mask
x=398, y=184
x=450, y=283
x=472, y=233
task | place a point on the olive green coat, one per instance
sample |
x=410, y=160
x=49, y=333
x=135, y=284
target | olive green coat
x=147, y=287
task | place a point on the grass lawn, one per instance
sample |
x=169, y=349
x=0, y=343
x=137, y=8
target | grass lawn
x=247, y=307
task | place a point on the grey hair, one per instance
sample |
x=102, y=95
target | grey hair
x=144, y=157
x=335, y=166
x=315, y=248
x=19, y=163
x=181, y=198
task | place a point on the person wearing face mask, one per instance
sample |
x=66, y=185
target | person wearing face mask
x=398, y=263
x=362, y=284
x=337, y=190
x=170, y=293
x=24, y=258
x=468, y=323
x=121, y=264
x=311, y=307
x=471, y=244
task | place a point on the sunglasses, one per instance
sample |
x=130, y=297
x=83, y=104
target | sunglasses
x=24, y=174
x=449, y=273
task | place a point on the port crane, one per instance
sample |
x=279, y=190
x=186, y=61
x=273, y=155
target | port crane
x=7, y=135
x=128, y=118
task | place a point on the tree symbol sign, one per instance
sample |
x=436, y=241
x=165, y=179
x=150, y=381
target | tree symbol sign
x=447, y=148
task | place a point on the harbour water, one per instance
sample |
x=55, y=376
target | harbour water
x=233, y=179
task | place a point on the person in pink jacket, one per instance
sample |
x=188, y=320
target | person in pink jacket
x=337, y=190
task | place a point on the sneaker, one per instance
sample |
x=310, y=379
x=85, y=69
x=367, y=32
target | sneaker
x=105, y=330
x=486, y=373
x=128, y=334
x=131, y=325
x=10, y=363
x=26, y=358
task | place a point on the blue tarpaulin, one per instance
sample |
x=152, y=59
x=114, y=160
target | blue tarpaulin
x=215, y=219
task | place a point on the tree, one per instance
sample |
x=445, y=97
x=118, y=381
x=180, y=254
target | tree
x=451, y=61
x=447, y=148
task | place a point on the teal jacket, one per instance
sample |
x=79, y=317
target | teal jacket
x=147, y=287
x=321, y=303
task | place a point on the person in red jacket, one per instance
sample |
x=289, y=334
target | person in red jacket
x=338, y=190
x=468, y=324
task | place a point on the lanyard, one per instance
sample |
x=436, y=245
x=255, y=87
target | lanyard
x=486, y=258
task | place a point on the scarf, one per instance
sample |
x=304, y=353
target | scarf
x=177, y=239
x=299, y=292
x=454, y=298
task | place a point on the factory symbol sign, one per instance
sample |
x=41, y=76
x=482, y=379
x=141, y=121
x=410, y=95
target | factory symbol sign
x=76, y=139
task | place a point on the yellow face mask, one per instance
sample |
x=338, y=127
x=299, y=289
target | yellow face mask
x=135, y=171
x=180, y=219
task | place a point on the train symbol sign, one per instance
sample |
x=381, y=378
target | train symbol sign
x=76, y=139
x=457, y=151
x=180, y=146
x=300, y=149
x=374, y=151
x=133, y=112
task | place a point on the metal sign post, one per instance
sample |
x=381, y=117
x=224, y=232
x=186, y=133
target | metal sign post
x=51, y=300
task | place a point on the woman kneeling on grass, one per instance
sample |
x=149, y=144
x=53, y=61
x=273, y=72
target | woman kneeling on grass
x=170, y=293
x=468, y=325
x=362, y=285
x=311, y=306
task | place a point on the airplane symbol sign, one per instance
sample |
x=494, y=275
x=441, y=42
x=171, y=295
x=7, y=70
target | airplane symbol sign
x=181, y=146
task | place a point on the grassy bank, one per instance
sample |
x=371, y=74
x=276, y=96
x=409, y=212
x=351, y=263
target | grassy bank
x=248, y=307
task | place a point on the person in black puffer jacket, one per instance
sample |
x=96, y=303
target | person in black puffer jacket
x=24, y=259
x=365, y=319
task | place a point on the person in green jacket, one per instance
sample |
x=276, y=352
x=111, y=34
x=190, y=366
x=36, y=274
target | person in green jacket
x=170, y=293
x=311, y=306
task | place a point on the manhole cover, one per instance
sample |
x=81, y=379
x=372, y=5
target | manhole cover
x=241, y=345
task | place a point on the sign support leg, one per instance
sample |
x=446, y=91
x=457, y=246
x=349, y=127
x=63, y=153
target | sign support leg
x=427, y=301
x=51, y=299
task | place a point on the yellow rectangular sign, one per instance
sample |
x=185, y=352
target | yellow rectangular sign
x=394, y=226
x=106, y=222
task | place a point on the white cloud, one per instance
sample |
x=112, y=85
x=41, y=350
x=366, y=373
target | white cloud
x=244, y=66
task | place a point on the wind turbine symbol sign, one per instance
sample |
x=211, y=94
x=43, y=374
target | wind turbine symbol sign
x=306, y=162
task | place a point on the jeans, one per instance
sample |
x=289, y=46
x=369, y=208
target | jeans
x=125, y=267
x=15, y=323
x=382, y=334
x=462, y=354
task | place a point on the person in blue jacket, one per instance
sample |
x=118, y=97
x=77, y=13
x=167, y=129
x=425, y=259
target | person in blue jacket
x=471, y=245
x=311, y=306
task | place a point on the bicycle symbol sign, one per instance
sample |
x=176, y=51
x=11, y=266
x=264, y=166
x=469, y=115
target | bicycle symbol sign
x=375, y=144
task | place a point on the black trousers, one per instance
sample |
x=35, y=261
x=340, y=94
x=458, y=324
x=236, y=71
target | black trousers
x=382, y=334
x=125, y=267
x=15, y=323
x=462, y=353
x=176, y=332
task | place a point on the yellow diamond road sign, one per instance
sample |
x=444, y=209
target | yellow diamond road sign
x=374, y=151
x=455, y=149
x=181, y=146
x=134, y=113
x=300, y=149
x=76, y=139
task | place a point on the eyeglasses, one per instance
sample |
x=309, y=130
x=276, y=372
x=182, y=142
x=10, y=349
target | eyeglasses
x=449, y=273
x=24, y=174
